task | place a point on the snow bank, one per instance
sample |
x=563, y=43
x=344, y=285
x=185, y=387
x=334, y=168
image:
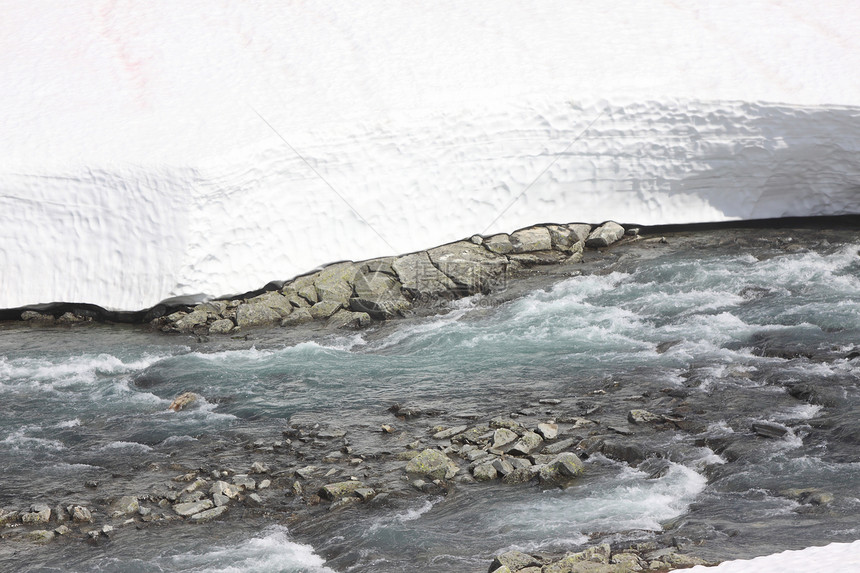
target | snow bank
x=153, y=150
x=833, y=558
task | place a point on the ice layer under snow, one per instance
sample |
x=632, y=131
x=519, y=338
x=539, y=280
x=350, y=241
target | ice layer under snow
x=156, y=149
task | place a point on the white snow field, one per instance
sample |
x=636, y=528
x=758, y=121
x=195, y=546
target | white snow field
x=159, y=149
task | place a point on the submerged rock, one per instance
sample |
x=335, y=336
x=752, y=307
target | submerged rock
x=183, y=401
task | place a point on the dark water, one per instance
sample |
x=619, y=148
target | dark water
x=765, y=328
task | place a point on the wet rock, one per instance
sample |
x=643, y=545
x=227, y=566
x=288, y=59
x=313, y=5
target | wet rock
x=643, y=417
x=221, y=326
x=811, y=496
x=349, y=319
x=431, y=463
x=769, y=429
x=449, y=433
x=559, y=446
x=33, y=316
x=81, y=514
x=253, y=500
x=298, y=316
x=604, y=235
x=338, y=490
x=563, y=467
x=190, y=508
x=472, y=267
x=244, y=483
x=365, y=493
x=8, y=517
x=379, y=295
x=225, y=489
x=624, y=452
x=549, y=431
x=255, y=315
x=531, y=239
x=209, y=514
x=62, y=530
x=519, y=475
x=259, y=468
x=39, y=513
x=503, y=467
x=485, y=472
x=40, y=536
x=514, y=561
x=529, y=443
x=183, y=401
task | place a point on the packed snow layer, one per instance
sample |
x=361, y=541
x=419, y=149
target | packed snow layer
x=158, y=149
x=833, y=558
x=130, y=237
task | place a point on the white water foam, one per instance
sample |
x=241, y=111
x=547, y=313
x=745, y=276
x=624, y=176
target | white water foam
x=270, y=552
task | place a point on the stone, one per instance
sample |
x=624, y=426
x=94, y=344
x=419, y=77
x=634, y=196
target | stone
x=62, y=530
x=643, y=417
x=190, y=508
x=183, y=401
x=449, y=433
x=382, y=290
x=529, y=443
x=563, y=467
x=40, y=536
x=39, y=513
x=81, y=514
x=338, y=490
x=259, y=468
x=503, y=467
x=563, y=238
x=8, y=517
x=326, y=308
x=221, y=326
x=33, y=316
x=383, y=307
x=244, y=483
x=624, y=452
x=298, y=316
x=627, y=562
x=531, y=239
x=518, y=476
x=223, y=488
x=472, y=267
x=503, y=437
x=220, y=500
x=431, y=463
x=187, y=322
x=275, y=301
x=549, y=431
x=253, y=500
x=604, y=235
x=209, y=514
x=559, y=446
x=335, y=282
x=810, y=496
x=539, y=258
x=420, y=277
x=580, y=231
x=308, y=293
x=348, y=319
x=769, y=429
x=500, y=244
x=485, y=472
x=514, y=561
x=365, y=493
x=256, y=315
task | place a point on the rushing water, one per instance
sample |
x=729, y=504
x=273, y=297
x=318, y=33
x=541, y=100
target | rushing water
x=730, y=329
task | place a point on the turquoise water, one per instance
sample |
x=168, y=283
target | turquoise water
x=739, y=327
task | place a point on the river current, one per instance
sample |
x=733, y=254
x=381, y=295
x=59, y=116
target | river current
x=738, y=327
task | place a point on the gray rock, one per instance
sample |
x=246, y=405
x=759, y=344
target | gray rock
x=338, y=490
x=529, y=443
x=531, y=239
x=214, y=307
x=259, y=468
x=431, y=463
x=625, y=452
x=380, y=265
x=33, y=316
x=348, y=319
x=223, y=488
x=190, y=508
x=365, y=493
x=187, y=322
x=548, y=430
x=298, y=316
x=419, y=276
x=565, y=466
x=514, y=561
x=643, y=417
x=580, y=231
x=335, y=282
x=209, y=514
x=604, y=235
x=40, y=536
x=39, y=513
x=381, y=308
x=221, y=326
x=563, y=238
x=449, y=433
x=308, y=293
x=538, y=258
x=244, y=483
x=518, y=476
x=274, y=300
x=503, y=467
x=559, y=446
x=503, y=437
x=220, y=500
x=472, y=267
x=325, y=309
x=253, y=500
x=769, y=429
x=500, y=244
x=254, y=315
x=485, y=472
x=81, y=514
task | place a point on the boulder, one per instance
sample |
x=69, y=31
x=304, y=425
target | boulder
x=221, y=326
x=187, y=322
x=275, y=301
x=33, y=316
x=81, y=514
x=449, y=433
x=531, y=239
x=485, y=472
x=338, y=490
x=472, y=267
x=563, y=238
x=769, y=429
x=503, y=437
x=563, y=467
x=514, y=561
x=190, y=508
x=349, y=319
x=529, y=443
x=580, y=231
x=420, y=277
x=500, y=244
x=431, y=463
x=257, y=314
x=40, y=536
x=604, y=235
x=298, y=316
x=127, y=504
x=183, y=401
x=335, y=282
x=643, y=417
x=548, y=430
x=39, y=513
x=325, y=309
x=209, y=514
